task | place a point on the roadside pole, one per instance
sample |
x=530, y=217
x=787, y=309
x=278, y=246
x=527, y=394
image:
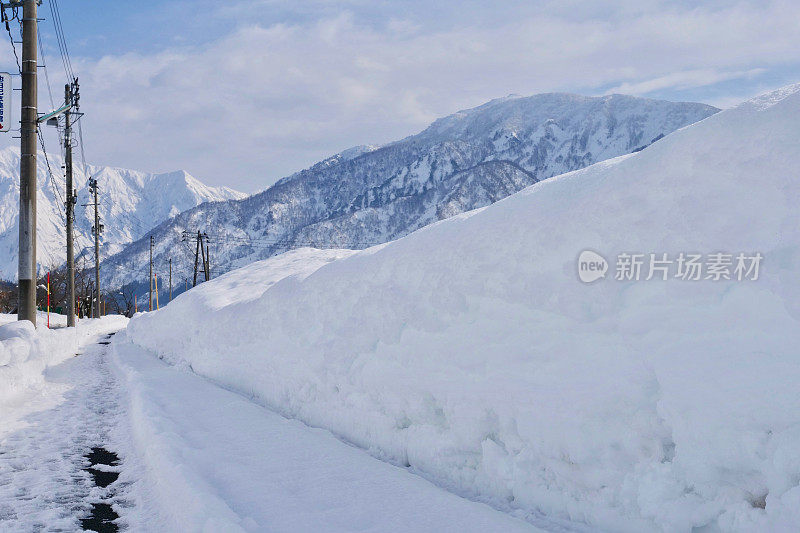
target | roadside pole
x=27, y=165
x=68, y=98
x=150, y=305
x=98, y=229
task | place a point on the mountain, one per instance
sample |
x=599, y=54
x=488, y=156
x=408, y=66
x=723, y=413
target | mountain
x=370, y=195
x=472, y=352
x=131, y=203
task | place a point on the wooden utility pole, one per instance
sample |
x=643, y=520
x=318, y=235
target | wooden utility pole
x=208, y=261
x=170, y=279
x=27, y=165
x=196, y=256
x=150, y=305
x=97, y=229
x=71, y=199
x=203, y=257
x=90, y=290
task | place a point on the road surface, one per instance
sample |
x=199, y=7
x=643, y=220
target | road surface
x=126, y=441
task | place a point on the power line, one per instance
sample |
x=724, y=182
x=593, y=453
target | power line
x=44, y=66
x=83, y=152
x=43, y=55
x=50, y=173
x=72, y=79
x=61, y=40
x=52, y=180
x=67, y=62
x=11, y=37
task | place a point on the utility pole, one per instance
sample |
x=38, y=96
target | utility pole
x=97, y=229
x=27, y=165
x=196, y=255
x=203, y=257
x=170, y=279
x=208, y=261
x=71, y=199
x=150, y=306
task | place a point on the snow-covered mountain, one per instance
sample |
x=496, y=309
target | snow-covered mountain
x=131, y=203
x=370, y=195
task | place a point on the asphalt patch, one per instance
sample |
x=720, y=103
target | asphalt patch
x=101, y=519
x=103, y=515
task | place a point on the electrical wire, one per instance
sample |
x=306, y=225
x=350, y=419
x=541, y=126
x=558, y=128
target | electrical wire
x=62, y=45
x=43, y=64
x=50, y=173
x=11, y=37
x=83, y=152
x=61, y=39
x=67, y=63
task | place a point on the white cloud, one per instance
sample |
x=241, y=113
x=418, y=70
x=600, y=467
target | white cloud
x=268, y=99
x=684, y=80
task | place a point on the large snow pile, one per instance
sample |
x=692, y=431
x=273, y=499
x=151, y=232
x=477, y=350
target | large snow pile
x=471, y=351
x=26, y=352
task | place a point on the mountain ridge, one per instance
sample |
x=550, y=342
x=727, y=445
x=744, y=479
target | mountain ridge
x=466, y=160
x=131, y=204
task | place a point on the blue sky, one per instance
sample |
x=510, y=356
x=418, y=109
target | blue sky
x=242, y=93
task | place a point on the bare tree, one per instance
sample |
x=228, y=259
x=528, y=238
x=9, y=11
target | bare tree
x=8, y=297
x=121, y=301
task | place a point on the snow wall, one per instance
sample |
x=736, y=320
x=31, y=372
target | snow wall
x=471, y=351
x=26, y=352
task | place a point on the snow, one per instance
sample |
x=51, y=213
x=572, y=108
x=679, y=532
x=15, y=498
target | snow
x=193, y=456
x=132, y=203
x=371, y=195
x=470, y=351
x=25, y=355
x=74, y=407
x=227, y=290
x=215, y=461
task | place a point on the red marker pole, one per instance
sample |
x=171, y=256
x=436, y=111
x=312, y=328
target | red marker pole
x=48, y=300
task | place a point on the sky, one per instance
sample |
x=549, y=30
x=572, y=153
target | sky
x=242, y=93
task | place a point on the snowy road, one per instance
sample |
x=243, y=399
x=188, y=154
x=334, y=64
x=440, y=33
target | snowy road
x=44, y=484
x=226, y=464
x=195, y=457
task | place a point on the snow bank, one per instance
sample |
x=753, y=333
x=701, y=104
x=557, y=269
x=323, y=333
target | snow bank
x=208, y=459
x=56, y=320
x=471, y=351
x=26, y=352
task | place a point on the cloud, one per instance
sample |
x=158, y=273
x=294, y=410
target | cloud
x=270, y=97
x=684, y=80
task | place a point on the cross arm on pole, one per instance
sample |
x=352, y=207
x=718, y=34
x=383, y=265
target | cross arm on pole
x=53, y=114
